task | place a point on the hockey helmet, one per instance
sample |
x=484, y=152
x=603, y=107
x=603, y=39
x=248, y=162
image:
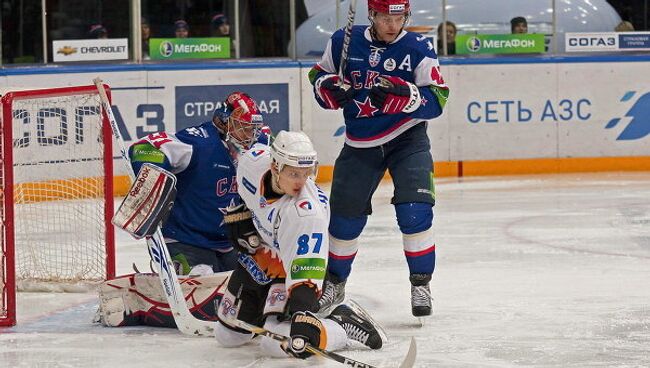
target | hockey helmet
x=293, y=149
x=242, y=119
x=391, y=7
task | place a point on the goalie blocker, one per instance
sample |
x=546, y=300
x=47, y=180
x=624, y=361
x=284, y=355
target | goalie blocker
x=148, y=202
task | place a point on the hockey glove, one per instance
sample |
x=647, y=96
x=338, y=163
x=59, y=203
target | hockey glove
x=302, y=297
x=393, y=95
x=241, y=230
x=306, y=328
x=334, y=94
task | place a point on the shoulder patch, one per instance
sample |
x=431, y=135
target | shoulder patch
x=256, y=153
x=305, y=207
x=145, y=152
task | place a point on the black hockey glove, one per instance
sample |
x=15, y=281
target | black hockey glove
x=241, y=230
x=302, y=297
x=334, y=94
x=306, y=329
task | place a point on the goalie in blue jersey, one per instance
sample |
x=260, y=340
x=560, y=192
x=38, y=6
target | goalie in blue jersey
x=203, y=158
x=391, y=86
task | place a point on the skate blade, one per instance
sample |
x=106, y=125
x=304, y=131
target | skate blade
x=424, y=320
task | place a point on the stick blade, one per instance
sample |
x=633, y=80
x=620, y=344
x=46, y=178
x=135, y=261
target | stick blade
x=409, y=359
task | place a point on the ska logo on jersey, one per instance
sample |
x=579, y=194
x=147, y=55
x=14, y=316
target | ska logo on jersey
x=257, y=153
x=375, y=55
x=305, y=208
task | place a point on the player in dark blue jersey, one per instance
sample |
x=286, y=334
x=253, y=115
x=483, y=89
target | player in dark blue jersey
x=204, y=160
x=392, y=85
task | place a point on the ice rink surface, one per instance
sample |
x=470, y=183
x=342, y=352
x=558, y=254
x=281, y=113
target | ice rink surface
x=533, y=271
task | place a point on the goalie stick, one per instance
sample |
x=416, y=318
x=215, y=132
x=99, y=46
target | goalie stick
x=185, y=321
x=407, y=362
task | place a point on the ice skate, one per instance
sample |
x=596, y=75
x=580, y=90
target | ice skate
x=357, y=327
x=421, y=300
x=333, y=294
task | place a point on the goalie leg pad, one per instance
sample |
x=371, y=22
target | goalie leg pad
x=138, y=299
x=148, y=202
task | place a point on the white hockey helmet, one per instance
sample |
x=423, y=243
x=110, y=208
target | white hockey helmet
x=293, y=149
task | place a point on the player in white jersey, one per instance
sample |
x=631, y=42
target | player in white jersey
x=283, y=260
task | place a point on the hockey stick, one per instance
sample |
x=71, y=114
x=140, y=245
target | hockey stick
x=346, y=39
x=185, y=321
x=408, y=361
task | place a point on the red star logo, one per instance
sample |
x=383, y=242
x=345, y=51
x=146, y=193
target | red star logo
x=423, y=102
x=366, y=110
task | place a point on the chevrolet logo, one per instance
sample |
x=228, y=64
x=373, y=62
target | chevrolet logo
x=67, y=50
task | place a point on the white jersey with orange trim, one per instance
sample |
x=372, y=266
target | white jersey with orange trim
x=293, y=228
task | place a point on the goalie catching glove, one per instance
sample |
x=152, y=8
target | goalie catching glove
x=393, y=95
x=306, y=329
x=148, y=202
x=334, y=94
x=241, y=230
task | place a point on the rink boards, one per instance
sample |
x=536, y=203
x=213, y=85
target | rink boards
x=504, y=115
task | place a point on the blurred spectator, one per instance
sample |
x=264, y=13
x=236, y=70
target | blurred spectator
x=519, y=25
x=624, y=26
x=451, y=38
x=146, y=34
x=97, y=31
x=181, y=29
x=220, y=26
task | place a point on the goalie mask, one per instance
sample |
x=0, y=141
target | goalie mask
x=239, y=119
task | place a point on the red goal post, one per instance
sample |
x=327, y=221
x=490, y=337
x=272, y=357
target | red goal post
x=56, y=188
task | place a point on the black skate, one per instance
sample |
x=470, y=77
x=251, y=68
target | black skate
x=357, y=327
x=333, y=293
x=421, y=301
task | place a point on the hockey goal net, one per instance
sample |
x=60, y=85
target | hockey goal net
x=56, y=184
